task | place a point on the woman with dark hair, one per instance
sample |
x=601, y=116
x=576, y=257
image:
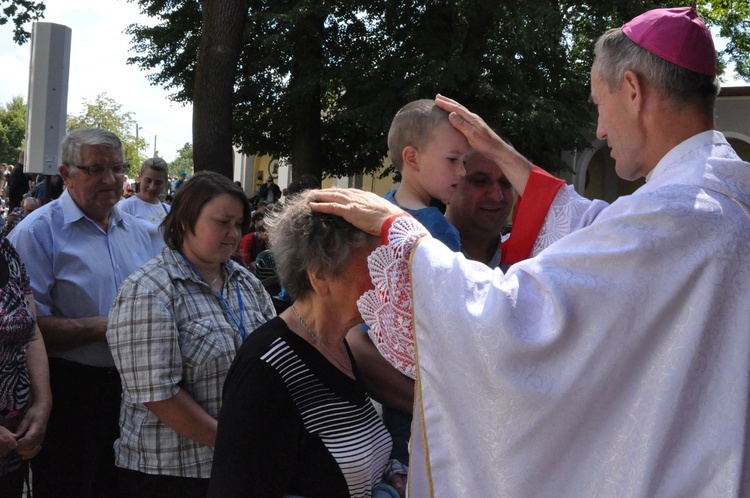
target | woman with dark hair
x=174, y=330
x=296, y=419
x=25, y=399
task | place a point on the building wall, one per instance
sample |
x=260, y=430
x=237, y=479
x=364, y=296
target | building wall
x=733, y=114
x=733, y=118
x=252, y=171
x=372, y=182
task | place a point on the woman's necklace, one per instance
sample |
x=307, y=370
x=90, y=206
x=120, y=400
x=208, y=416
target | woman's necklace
x=214, y=280
x=347, y=367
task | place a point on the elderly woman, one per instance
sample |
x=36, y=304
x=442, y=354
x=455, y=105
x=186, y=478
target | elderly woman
x=174, y=330
x=296, y=420
x=28, y=205
x=146, y=204
x=25, y=399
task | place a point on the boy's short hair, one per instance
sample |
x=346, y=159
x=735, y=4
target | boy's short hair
x=413, y=126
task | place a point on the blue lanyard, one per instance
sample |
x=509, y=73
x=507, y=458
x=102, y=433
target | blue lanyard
x=240, y=324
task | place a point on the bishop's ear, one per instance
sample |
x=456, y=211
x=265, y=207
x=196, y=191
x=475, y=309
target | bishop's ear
x=632, y=86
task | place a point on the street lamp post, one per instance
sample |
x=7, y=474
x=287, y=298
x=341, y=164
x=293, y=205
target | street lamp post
x=137, y=143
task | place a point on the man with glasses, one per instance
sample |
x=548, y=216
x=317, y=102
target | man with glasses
x=78, y=249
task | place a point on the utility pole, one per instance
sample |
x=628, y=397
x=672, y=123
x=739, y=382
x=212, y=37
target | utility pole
x=154, y=146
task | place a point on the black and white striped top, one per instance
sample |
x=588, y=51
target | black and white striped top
x=292, y=423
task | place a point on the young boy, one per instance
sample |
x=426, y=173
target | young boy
x=429, y=152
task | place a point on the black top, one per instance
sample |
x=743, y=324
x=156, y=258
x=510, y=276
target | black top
x=18, y=185
x=292, y=423
x=263, y=192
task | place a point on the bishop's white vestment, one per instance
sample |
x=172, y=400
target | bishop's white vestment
x=613, y=363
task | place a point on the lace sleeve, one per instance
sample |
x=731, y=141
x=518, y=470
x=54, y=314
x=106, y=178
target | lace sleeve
x=387, y=309
x=569, y=212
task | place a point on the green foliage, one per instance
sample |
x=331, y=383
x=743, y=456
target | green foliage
x=12, y=129
x=20, y=12
x=732, y=17
x=105, y=113
x=523, y=66
x=183, y=161
x=170, y=46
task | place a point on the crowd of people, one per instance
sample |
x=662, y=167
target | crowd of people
x=211, y=344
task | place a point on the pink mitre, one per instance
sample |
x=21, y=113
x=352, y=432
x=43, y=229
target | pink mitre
x=677, y=35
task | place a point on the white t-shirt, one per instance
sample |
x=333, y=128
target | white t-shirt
x=143, y=210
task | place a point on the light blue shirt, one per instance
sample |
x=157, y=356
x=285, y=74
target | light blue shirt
x=76, y=267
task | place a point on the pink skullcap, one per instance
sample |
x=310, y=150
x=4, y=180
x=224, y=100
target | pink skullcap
x=677, y=35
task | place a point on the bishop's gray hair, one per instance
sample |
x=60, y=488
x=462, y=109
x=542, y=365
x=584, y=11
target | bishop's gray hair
x=615, y=54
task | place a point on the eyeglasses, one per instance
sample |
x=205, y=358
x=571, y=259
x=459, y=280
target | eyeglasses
x=99, y=171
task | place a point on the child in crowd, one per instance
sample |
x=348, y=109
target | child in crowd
x=429, y=152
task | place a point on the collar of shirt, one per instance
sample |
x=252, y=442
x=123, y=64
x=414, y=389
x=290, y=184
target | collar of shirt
x=72, y=213
x=179, y=268
x=704, y=138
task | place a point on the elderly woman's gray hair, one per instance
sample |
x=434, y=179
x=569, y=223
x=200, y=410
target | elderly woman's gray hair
x=30, y=203
x=304, y=241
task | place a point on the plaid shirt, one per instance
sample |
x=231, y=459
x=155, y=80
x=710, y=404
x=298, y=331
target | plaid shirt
x=168, y=330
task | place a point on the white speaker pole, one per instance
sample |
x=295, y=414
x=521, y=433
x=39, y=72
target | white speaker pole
x=48, y=97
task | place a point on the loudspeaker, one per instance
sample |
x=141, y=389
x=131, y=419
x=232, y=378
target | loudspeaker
x=48, y=97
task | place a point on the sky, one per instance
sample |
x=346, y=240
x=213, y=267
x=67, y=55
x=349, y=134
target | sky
x=99, y=50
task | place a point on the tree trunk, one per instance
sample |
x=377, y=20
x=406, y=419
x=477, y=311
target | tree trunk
x=219, y=51
x=305, y=92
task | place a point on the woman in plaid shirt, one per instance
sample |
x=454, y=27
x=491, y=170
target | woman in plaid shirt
x=174, y=330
